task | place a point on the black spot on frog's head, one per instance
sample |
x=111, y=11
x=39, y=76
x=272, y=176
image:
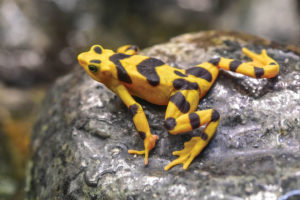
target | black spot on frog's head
x=97, y=49
x=91, y=57
x=95, y=61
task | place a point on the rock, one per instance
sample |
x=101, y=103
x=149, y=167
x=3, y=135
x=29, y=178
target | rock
x=81, y=138
x=8, y=182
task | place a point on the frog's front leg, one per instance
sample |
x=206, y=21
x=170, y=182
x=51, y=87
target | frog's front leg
x=139, y=120
x=129, y=49
x=180, y=117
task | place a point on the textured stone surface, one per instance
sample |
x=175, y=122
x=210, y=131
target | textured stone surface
x=82, y=135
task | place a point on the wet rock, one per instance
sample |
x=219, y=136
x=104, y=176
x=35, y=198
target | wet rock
x=81, y=138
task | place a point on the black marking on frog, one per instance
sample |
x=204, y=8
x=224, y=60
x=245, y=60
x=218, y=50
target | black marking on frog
x=122, y=73
x=215, y=116
x=170, y=123
x=133, y=109
x=194, y=120
x=204, y=136
x=234, y=65
x=142, y=134
x=132, y=47
x=258, y=72
x=98, y=50
x=147, y=69
x=95, y=61
x=215, y=61
x=179, y=100
x=178, y=73
x=182, y=84
x=200, y=72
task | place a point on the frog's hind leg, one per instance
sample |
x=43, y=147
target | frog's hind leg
x=205, y=75
x=261, y=66
x=180, y=117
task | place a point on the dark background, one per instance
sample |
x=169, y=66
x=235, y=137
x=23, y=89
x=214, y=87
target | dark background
x=40, y=40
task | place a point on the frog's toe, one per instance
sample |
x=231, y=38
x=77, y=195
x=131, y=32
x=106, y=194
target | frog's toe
x=177, y=153
x=177, y=161
x=188, y=161
x=149, y=143
x=261, y=58
x=131, y=151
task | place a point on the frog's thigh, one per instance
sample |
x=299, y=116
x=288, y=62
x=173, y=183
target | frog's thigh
x=182, y=102
x=181, y=115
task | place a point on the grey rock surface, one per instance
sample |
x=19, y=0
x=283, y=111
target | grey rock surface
x=82, y=135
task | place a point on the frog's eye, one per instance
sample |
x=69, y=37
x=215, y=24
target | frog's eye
x=93, y=68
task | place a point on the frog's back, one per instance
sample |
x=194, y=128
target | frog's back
x=151, y=70
x=151, y=79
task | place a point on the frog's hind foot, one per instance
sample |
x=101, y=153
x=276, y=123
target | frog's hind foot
x=191, y=149
x=261, y=66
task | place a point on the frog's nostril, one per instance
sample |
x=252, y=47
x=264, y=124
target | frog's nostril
x=81, y=60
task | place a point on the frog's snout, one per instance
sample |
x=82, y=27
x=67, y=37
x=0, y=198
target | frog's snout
x=81, y=60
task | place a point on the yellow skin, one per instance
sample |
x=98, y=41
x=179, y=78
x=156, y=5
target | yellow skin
x=128, y=74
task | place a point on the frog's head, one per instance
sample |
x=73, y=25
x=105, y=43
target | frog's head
x=96, y=62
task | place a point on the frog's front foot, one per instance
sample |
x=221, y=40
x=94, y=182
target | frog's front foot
x=149, y=143
x=191, y=149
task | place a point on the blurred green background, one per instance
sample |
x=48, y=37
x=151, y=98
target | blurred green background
x=40, y=40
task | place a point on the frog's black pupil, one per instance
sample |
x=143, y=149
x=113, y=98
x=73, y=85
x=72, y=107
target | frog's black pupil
x=93, y=68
